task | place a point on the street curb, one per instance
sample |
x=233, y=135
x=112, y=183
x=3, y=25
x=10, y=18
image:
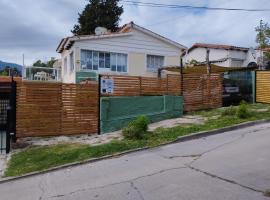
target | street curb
x=193, y=136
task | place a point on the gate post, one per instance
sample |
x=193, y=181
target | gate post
x=254, y=78
x=99, y=94
x=8, y=131
x=12, y=117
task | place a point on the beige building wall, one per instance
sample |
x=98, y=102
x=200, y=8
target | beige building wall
x=172, y=60
x=136, y=64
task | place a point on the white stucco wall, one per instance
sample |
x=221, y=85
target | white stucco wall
x=199, y=54
x=68, y=76
x=137, y=46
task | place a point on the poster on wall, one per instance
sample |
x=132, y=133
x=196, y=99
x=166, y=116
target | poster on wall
x=107, y=86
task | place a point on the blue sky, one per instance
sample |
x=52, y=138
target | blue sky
x=35, y=27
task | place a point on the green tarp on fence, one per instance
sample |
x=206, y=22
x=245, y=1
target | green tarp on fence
x=116, y=112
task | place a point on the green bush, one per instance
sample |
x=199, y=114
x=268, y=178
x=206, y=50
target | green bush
x=242, y=111
x=230, y=111
x=136, y=128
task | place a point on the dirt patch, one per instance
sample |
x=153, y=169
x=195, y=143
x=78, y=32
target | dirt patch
x=182, y=121
x=3, y=164
x=261, y=110
x=105, y=138
x=82, y=139
x=267, y=193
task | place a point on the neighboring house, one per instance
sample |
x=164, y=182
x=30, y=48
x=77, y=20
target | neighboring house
x=222, y=55
x=133, y=50
x=262, y=59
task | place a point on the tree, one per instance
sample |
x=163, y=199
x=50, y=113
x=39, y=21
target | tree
x=50, y=63
x=104, y=13
x=39, y=63
x=263, y=37
x=8, y=71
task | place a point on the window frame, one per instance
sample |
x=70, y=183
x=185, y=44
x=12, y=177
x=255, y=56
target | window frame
x=118, y=55
x=148, y=69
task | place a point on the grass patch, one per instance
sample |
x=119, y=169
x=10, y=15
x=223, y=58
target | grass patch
x=39, y=158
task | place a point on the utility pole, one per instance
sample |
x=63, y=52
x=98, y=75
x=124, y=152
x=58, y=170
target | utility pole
x=23, y=59
x=208, y=62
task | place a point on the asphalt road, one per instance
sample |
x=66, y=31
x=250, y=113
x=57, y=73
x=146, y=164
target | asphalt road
x=234, y=165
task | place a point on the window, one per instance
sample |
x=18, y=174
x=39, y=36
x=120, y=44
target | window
x=154, y=62
x=236, y=63
x=94, y=60
x=71, y=62
x=65, y=65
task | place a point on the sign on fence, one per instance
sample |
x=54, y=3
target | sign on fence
x=107, y=86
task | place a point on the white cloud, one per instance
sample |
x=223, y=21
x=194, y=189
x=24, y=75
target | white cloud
x=35, y=27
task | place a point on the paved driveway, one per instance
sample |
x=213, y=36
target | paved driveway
x=234, y=165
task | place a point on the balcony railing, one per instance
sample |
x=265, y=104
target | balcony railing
x=33, y=73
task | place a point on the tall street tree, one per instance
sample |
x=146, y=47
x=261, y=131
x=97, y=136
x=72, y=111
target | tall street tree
x=263, y=40
x=263, y=35
x=104, y=13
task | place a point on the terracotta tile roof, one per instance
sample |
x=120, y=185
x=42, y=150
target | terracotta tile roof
x=267, y=49
x=217, y=46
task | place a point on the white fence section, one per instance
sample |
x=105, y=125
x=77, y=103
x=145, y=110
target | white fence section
x=33, y=73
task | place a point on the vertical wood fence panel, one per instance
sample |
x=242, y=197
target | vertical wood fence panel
x=202, y=92
x=199, y=91
x=263, y=86
x=51, y=109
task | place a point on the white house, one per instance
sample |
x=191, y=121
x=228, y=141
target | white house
x=133, y=50
x=223, y=55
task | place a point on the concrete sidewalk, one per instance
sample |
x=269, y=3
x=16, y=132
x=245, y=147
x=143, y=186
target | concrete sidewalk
x=233, y=165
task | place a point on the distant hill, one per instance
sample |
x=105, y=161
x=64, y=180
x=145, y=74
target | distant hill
x=5, y=64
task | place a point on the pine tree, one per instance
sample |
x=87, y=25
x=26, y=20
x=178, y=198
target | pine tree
x=104, y=13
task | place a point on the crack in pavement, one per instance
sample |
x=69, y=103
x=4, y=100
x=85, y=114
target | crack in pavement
x=189, y=165
x=137, y=190
x=224, y=179
x=198, y=156
x=40, y=186
x=186, y=165
x=117, y=183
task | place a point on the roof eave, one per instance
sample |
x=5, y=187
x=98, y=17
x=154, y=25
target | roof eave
x=144, y=30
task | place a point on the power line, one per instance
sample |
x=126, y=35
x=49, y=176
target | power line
x=160, y=5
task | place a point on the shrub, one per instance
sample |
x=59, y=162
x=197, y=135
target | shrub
x=242, y=111
x=230, y=111
x=136, y=128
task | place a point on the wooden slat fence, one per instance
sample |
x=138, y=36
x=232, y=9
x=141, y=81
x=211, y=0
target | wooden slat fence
x=199, y=91
x=263, y=86
x=147, y=86
x=52, y=109
x=202, y=92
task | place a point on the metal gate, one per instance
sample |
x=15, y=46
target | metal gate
x=7, y=115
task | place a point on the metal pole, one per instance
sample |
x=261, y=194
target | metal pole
x=181, y=76
x=208, y=62
x=99, y=112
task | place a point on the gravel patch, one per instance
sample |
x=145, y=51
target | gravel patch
x=186, y=120
x=82, y=139
x=105, y=138
x=3, y=164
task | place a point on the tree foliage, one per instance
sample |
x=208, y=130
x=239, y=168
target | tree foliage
x=263, y=35
x=50, y=63
x=8, y=71
x=104, y=13
x=263, y=40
